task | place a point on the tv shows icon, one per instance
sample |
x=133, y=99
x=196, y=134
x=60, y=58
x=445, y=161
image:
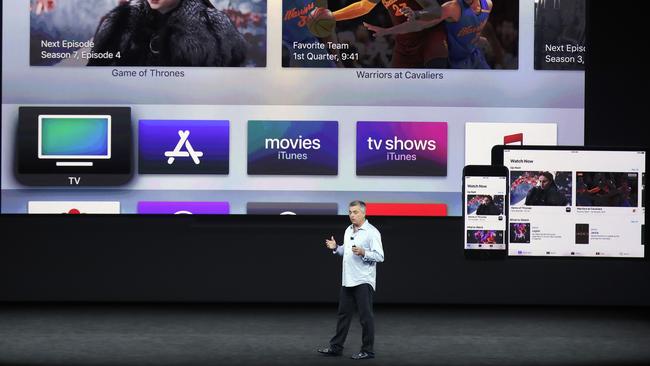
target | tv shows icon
x=73, y=146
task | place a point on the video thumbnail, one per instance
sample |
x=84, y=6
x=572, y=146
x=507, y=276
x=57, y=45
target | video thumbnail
x=540, y=188
x=560, y=34
x=520, y=232
x=400, y=34
x=485, y=204
x=582, y=233
x=607, y=189
x=485, y=236
x=209, y=33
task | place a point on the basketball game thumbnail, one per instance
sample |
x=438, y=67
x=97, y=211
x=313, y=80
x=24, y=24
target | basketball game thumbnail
x=607, y=189
x=443, y=34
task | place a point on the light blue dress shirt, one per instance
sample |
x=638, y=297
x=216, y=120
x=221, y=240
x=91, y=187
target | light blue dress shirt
x=359, y=270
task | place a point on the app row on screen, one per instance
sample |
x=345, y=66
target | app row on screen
x=77, y=146
x=292, y=147
x=223, y=208
x=94, y=146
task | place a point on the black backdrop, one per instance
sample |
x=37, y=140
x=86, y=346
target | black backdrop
x=282, y=259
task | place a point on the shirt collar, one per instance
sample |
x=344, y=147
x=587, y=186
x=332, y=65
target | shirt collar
x=362, y=227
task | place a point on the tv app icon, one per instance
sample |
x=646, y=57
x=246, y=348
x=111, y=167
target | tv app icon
x=74, y=140
x=183, y=147
x=73, y=146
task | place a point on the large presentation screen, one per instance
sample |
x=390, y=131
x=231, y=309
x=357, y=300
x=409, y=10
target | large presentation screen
x=581, y=202
x=270, y=107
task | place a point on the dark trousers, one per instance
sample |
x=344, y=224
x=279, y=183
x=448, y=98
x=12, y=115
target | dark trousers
x=351, y=299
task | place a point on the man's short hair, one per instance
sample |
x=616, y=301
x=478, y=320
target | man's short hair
x=548, y=176
x=361, y=204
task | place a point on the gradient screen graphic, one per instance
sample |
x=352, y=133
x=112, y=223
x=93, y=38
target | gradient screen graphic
x=184, y=208
x=304, y=125
x=183, y=147
x=293, y=147
x=74, y=137
x=402, y=148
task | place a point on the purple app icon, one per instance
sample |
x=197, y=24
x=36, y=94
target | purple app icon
x=293, y=147
x=402, y=148
x=183, y=208
x=183, y=147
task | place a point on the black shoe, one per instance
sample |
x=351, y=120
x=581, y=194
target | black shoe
x=362, y=356
x=328, y=352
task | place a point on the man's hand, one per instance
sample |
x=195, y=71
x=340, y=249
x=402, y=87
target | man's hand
x=377, y=30
x=358, y=251
x=409, y=13
x=330, y=243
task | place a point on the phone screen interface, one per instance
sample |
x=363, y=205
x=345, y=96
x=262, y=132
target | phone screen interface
x=485, y=219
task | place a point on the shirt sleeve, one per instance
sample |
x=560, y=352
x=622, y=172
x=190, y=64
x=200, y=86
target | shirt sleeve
x=339, y=250
x=376, y=251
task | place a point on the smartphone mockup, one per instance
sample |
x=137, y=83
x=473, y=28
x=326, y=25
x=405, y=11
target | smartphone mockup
x=485, y=211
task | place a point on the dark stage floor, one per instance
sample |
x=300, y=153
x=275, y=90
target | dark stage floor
x=289, y=335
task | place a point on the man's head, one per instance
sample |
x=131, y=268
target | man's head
x=545, y=180
x=487, y=200
x=357, y=212
x=163, y=6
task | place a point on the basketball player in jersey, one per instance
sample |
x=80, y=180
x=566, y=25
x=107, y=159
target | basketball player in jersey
x=294, y=29
x=426, y=48
x=464, y=20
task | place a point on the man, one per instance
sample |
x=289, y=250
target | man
x=426, y=48
x=546, y=193
x=464, y=21
x=488, y=207
x=361, y=251
x=168, y=33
